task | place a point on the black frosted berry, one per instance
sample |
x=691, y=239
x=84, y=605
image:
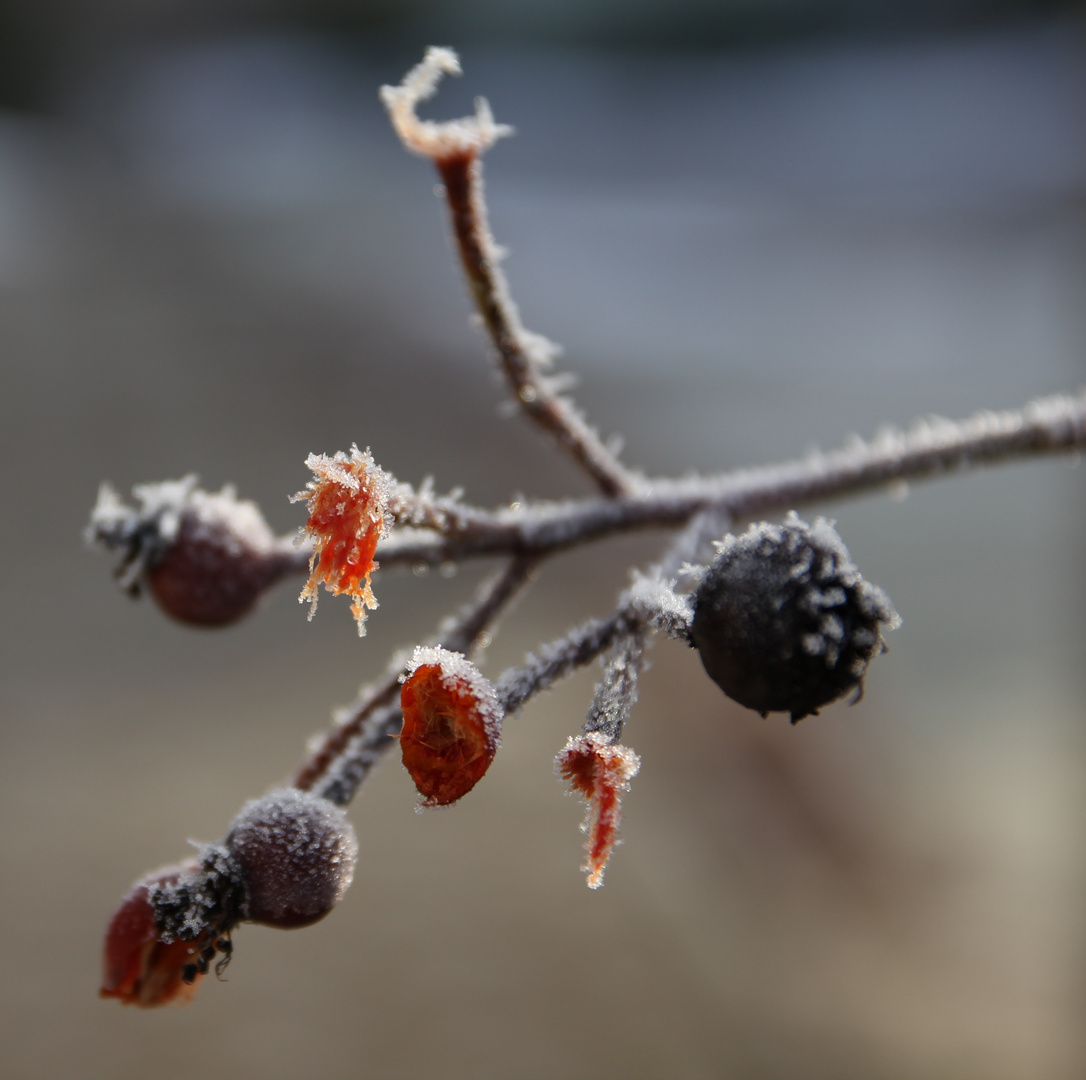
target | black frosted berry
x=296, y=853
x=783, y=620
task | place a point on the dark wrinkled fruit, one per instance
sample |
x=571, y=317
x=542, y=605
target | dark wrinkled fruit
x=784, y=622
x=296, y=853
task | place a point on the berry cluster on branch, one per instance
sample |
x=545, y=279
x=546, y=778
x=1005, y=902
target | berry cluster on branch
x=782, y=619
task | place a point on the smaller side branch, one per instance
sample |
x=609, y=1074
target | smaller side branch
x=649, y=603
x=617, y=691
x=456, y=148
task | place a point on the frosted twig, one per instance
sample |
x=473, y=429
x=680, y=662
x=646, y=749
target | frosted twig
x=648, y=603
x=1049, y=425
x=928, y=449
x=437, y=530
x=617, y=691
x=456, y=148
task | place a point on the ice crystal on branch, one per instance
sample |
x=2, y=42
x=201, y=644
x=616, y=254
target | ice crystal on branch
x=451, y=725
x=348, y=514
x=781, y=617
x=600, y=771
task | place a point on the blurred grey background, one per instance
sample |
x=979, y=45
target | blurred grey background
x=756, y=227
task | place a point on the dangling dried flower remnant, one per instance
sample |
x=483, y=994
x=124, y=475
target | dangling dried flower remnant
x=601, y=772
x=451, y=725
x=348, y=515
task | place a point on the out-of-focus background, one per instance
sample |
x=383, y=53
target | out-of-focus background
x=756, y=227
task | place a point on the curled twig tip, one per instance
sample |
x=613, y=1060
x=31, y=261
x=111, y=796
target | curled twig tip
x=470, y=135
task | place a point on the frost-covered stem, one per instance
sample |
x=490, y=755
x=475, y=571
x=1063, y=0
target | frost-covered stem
x=558, y=659
x=363, y=730
x=349, y=724
x=521, y=354
x=929, y=449
x=617, y=691
x=648, y=603
x=463, y=632
x=456, y=148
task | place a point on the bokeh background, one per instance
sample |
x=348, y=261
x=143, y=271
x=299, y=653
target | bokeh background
x=756, y=228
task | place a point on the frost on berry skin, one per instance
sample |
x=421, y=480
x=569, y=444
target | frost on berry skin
x=206, y=558
x=296, y=855
x=451, y=725
x=783, y=620
x=600, y=771
x=139, y=968
x=347, y=501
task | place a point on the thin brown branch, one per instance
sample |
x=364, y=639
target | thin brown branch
x=928, y=450
x=456, y=149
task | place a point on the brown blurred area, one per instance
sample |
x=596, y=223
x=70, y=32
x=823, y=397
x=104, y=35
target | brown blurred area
x=215, y=258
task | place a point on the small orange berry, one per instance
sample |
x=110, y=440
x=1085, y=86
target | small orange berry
x=348, y=514
x=451, y=725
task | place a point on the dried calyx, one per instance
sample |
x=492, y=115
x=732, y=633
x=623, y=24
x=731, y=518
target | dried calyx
x=206, y=557
x=783, y=620
x=347, y=500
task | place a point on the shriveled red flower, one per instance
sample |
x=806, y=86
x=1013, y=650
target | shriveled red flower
x=600, y=771
x=140, y=969
x=348, y=514
x=451, y=725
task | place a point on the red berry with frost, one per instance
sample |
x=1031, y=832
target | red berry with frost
x=296, y=855
x=140, y=969
x=451, y=725
x=783, y=620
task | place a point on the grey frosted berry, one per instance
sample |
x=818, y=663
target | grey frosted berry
x=296, y=853
x=783, y=620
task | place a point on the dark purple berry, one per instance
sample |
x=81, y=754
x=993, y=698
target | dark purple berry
x=213, y=574
x=296, y=853
x=207, y=558
x=784, y=622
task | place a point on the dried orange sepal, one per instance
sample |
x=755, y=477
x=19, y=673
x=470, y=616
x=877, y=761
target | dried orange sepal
x=599, y=771
x=451, y=725
x=348, y=514
x=138, y=968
